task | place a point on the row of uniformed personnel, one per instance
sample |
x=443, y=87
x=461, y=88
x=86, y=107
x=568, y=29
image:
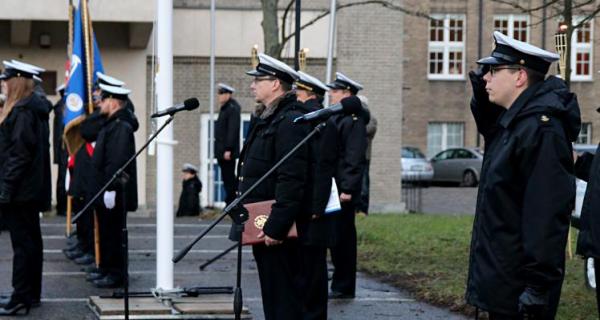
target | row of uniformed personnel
x=293, y=272
x=109, y=143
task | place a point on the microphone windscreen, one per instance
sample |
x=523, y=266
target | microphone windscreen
x=351, y=104
x=191, y=104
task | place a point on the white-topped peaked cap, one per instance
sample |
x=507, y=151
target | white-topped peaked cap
x=108, y=80
x=34, y=67
x=60, y=88
x=19, y=69
x=114, y=92
x=269, y=66
x=189, y=167
x=511, y=51
x=310, y=83
x=225, y=88
x=343, y=82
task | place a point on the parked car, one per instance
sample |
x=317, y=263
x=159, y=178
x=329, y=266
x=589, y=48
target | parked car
x=590, y=278
x=415, y=166
x=462, y=165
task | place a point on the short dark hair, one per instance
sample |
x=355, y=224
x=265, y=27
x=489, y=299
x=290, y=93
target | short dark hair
x=285, y=86
x=533, y=76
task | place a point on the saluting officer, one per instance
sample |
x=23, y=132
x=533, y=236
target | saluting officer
x=317, y=235
x=22, y=181
x=351, y=149
x=102, y=78
x=114, y=146
x=527, y=186
x=227, y=138
x=60, y=154
x=273, y=135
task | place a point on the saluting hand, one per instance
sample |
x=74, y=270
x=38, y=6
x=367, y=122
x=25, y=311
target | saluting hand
x=268, y=240
x=227, y=155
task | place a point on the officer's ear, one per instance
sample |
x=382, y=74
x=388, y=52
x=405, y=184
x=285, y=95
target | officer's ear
x=522, y=78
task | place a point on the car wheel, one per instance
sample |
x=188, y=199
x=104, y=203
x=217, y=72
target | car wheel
x=469, y=179
x=590, y=276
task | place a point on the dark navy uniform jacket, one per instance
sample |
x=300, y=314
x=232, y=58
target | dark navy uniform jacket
x=526, y=195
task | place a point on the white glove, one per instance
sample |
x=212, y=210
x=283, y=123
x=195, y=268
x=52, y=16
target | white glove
x=109, y=199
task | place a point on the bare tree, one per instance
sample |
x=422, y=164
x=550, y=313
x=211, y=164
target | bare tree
x=564, y=10
x=275, y=40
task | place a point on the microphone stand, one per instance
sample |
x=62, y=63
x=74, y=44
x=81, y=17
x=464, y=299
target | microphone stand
x=122, y=177
x=239, y=215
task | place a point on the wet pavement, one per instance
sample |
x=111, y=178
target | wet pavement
x=65, y=290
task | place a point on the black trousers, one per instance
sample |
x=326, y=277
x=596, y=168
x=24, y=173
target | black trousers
x=111, y=234
x=23, y=222
x=228, y=175
x=314, y=282
x=85, y=226
x=279, y=274
x=61, y=192
x=343, y=255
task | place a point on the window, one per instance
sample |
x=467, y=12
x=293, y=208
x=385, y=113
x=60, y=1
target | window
x=585, y=135
x=581, y=52
x=218, y=191
x=444, y=135
x=446, y=59
x=513, y=25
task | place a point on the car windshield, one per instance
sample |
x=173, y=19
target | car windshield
x=412, y=153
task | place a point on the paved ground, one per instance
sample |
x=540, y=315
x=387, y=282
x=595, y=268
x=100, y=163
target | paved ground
x=65, y=291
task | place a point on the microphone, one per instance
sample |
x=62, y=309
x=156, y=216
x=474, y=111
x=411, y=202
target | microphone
x=189, y=104
x=348, y=105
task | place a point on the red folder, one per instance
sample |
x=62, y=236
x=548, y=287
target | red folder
x=258, y=213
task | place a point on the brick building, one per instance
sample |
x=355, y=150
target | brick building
x=438, y=55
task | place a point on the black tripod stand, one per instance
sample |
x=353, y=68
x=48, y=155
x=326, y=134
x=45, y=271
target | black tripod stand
x=122, y=178
x=239, y=215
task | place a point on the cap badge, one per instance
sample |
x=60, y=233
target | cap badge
x=522, y=62
x=544, y=118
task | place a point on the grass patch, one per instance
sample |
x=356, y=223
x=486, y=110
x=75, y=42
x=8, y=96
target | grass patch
x=428, y=255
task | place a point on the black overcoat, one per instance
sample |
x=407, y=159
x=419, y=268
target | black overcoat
x=227, y=130
x=525, y=197
x=271, y=139
x=114, y=146
x=189, y=200
x=24, y=154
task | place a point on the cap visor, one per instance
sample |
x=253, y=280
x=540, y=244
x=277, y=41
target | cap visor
x=256, y=73
x=492, y=61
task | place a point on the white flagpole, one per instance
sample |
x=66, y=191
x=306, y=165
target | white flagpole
x=211, y=122
x=330, y=46
x=164, y=158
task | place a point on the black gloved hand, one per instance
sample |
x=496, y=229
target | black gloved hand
x=478, y=84
x=533, y=303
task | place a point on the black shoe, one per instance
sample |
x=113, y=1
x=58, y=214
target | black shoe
x=85, y=259
x=340, y=295
x=108, y=282
x=4, y=299
x=92, y=276
x=90, y=269
x=74, y=254
x=13, y=307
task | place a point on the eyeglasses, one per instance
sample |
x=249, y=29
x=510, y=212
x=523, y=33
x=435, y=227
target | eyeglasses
x=493, y=70
x=256, y=80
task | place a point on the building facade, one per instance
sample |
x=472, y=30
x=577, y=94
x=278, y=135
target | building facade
x=439, y=54
x=368, y=48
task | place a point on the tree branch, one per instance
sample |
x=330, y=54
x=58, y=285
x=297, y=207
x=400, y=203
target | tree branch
x=587, y=18
x=284, y=18
x=386, y=4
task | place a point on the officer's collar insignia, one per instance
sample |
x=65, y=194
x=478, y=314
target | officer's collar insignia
x=545, y=118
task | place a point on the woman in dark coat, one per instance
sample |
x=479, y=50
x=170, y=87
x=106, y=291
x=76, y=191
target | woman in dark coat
x=22, y=192
x=189, y=200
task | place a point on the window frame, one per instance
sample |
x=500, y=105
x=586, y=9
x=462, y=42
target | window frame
x=589, y=127
x=583, y=47
x=446, y=47
x=444, y=136
x=511, y=18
